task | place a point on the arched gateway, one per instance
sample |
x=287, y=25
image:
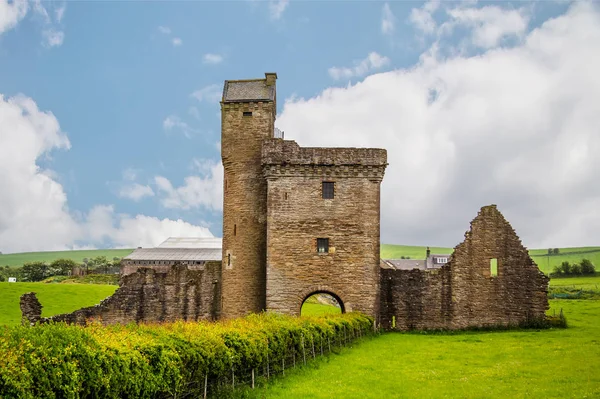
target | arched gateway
x=321, y=302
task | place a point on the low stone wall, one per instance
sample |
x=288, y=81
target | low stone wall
x=147, y=295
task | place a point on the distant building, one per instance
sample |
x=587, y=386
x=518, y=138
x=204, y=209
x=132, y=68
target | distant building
x=194, y=252
x=431, y=262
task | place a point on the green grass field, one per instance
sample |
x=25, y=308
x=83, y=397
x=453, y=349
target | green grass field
x=513, y=364
x=55, y=298
x=20, y=258
x=318, y=309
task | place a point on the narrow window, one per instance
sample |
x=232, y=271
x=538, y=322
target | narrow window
x=328, y=190
x=228, y=259
x=494, y=267
x=322, y=245
x=285, y=196
x=235, y=229
x=247, y=113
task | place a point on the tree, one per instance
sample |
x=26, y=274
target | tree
x=556, y=250
x=549, y=251
x=62, y=267
x=587, y=267
x=35, y=271
x=575, y=269
x=565, y=268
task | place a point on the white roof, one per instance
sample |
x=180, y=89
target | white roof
x=193, y=242
x=174, y=254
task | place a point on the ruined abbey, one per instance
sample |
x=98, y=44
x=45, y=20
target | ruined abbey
x=299, y=221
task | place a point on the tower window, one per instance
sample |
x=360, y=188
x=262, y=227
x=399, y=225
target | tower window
x=322, y=245
x=286, y=196
x=228, y=259
x=328, y=190
x=247, y=113
x=494, y=267
x=235, y=229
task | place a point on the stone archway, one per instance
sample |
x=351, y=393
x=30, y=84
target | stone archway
x=326, y=299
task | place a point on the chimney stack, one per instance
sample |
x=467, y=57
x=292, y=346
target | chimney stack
x=271, y=78
x=428, y=253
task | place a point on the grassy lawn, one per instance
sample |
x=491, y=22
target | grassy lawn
x=586, y=283
x=55, y=298
x=318, y=309
x=20, y=258
x=545, y=364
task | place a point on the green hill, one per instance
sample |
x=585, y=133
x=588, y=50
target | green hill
x=19, y=258
x=545, y=262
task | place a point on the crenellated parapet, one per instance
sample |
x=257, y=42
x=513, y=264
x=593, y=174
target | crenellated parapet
x=286, y=158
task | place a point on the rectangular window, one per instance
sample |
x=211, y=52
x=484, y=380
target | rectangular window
x=322, y=245
x=494, y=267
x=442, y=261
x=247, y=113
x=328, y=190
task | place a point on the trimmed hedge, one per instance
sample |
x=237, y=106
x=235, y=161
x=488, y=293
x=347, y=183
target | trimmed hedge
x=150, y=360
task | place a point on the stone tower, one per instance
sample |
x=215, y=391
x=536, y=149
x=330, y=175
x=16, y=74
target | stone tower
x=248, y=110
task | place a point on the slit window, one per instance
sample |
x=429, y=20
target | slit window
x=322, y=245
x=494, y=267
x=247, y=113
x=328, y=189
x=228, y=259
x=235, y=229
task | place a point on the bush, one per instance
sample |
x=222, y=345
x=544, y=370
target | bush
x=587, y=267
x=576, y=269
x=149, y=360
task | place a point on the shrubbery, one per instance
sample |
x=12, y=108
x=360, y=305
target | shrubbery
x=146, y=361
x=586, y=267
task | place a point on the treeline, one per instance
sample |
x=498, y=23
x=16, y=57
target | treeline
x=585, y=267
x=38, y=271
x=167, y=360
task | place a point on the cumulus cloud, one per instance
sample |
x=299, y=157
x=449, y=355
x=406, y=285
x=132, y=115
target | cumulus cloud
x=174, y=123
x=34, y=212
x=211, y=93
x=177, y=41
x=12, y=13
x=277, y=7
x=210, y=58
x=201, y=191
x=371, y=62
x=165, y=30
x=136, y=191
x=516, y=126
x=388, y=20
x=489, y=24
x=422, y=18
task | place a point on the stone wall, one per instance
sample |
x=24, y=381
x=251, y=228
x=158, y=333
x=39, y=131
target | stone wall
x=244, y=206
x=161, y=266
x=464, y=293
x=148, y=295
x=298, y=215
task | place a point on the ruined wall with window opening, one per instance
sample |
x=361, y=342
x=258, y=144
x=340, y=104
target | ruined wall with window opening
x=465, y=292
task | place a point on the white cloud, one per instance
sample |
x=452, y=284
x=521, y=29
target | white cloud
x=371, y=62
x=203, y=191
x=136, y=191
x=513, y=126
x=60, y=12
x=212, y=58
x=53, y=38
x=490, y=24
x=388, y=20
x=165, y=30
x=139, y=231
x=211, y=93
x=177, y=41
x=422, y=17
x=12, y=13
x=193, y=111
x=34, y=212
x=173, y=122
x=277, y=7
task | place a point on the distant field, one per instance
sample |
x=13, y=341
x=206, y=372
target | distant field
x=558, y=363
x=318, y=309
x=20, y=258
x=55, y=298
x=540, y=256
x=586, y=283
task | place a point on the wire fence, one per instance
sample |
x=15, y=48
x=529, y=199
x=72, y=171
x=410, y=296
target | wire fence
x=218, y=385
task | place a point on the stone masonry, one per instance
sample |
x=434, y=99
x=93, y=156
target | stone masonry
x=297, y=215
x=247, y=118
x=464, y=293
x=147, y=296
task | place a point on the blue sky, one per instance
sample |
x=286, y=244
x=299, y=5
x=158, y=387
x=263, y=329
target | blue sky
x=135, y=86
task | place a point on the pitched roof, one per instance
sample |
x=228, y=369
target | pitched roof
x=192, y=242
x=248, y=90
x=406, y=264
x=174, y=254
